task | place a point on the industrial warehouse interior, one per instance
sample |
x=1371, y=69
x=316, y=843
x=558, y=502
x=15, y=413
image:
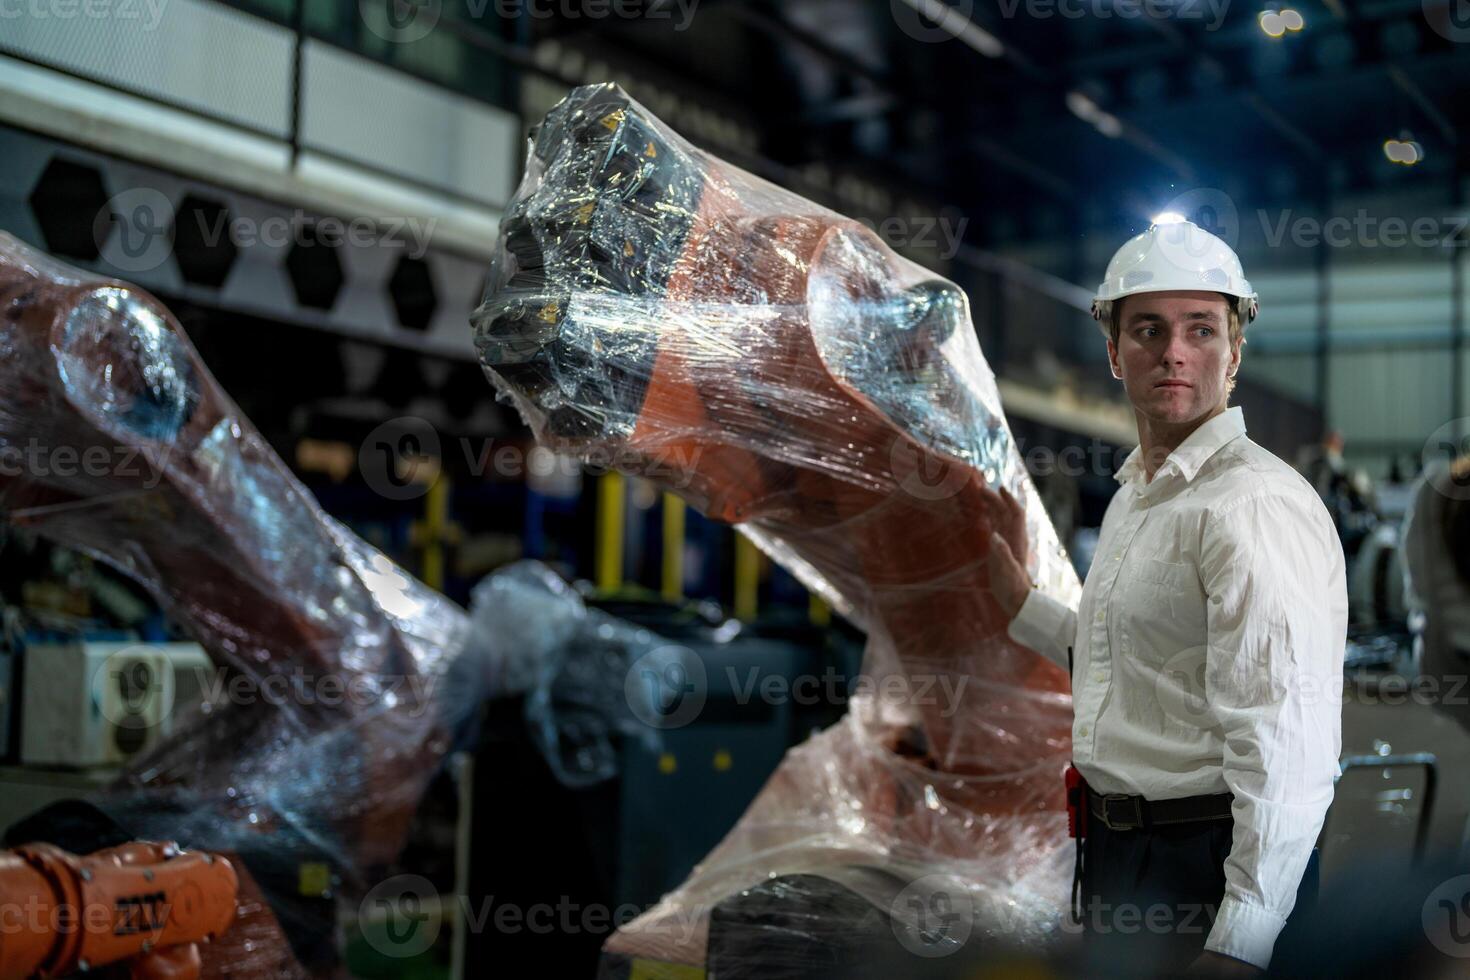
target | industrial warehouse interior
x=734, y=489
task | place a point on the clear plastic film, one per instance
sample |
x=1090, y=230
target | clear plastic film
x=572, y=663
x=340, y=680
x=778, y=366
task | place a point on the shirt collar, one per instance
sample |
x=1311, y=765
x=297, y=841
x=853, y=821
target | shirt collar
x=1194, y=451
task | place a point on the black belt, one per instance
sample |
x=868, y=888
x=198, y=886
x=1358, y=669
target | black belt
x=1117, y=811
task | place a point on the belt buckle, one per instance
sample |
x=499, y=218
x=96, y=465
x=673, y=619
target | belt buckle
x=1107, y=819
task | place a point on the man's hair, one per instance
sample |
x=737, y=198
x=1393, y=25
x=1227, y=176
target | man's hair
x=1236, y=330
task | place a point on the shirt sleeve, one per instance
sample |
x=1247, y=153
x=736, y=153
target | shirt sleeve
x=1276, y=621
x=1045, y=625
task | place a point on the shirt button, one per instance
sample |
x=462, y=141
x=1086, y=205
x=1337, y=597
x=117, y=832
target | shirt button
x=1099, y=676
x=1082, y=731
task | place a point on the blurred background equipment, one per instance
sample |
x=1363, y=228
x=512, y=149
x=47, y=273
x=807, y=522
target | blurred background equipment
x=98, y=704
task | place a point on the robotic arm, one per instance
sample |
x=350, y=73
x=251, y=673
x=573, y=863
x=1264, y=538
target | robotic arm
x=148, y=905
x=119, y=443
x=779, y=367
x=782, y=369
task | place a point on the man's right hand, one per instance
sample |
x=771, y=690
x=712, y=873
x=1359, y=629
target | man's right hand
x=1008, y=549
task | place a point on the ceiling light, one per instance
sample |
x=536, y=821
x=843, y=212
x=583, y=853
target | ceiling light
x=1169, y=218
x=956, y=24
x=1088, y=111
x=1272, y=23
x=1292, y=20
x=1404, y=151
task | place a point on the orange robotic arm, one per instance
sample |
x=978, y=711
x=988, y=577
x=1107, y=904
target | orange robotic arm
x=779, y=367
x=144, y=903
x=183, y=494
x=161, y=476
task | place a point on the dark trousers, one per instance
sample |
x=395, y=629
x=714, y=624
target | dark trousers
x=1149, y=897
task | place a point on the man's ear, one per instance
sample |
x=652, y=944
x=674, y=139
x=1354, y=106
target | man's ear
x=1235, y=357
x=1113, y=360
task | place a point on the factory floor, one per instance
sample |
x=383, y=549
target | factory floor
x=1376, y=810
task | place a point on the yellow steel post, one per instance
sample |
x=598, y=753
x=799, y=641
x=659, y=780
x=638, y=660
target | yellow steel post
x=747, y=577
x=609, y=556
x=435, y=531
x=673, y=570
x=819, y=612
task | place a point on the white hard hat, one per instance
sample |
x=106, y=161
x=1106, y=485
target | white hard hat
x=1176, y=255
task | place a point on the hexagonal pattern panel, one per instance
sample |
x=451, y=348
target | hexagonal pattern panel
x=69, y=202
x=201, y=241
x=315, y=270
x=412, y=290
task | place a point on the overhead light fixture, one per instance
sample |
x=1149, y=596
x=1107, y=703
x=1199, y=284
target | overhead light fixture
x=1405, y=150
x=1090, y=112
x=1276, y=23
x=1169, y=218
x=957, y=25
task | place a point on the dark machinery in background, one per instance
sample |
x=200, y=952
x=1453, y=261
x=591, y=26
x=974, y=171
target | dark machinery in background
x=622, y=816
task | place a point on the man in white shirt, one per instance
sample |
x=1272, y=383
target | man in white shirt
x=1206, y=653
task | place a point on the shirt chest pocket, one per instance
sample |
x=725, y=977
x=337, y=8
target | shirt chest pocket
x=1163, y=609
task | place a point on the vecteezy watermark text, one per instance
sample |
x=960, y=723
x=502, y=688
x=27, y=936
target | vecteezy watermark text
x=407, y=21
x=1364, y=230
x=1212, y=12
x=940, y=234
x=35, y=459
x=403, y=916
x=399, y=458
x=150, y=12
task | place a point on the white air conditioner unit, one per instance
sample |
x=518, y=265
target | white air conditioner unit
x=99, y=704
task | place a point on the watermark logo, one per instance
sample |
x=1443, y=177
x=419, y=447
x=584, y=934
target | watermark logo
x=1363, y=230
x=400, y=458
x=927, y=475
x=1211, y=11
x=1446, y=917
x=134, y=688
x=132, y=229
x=933, y=916
x=1211, y=214
x=1448, y=442
x=149, y=12
x=400, y=21
x=37, y=460
x=1101, y=918
x=945, y=21
x=937, y=234
x=1179, y=687
x=406, y=21
x=1449, y=19
x=667, y=687
x=403, y=917
x=139, y=914
x=396, y=916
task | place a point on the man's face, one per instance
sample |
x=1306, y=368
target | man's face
x=1174, y=354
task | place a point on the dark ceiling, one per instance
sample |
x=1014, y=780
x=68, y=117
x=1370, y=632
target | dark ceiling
x=1200, y=95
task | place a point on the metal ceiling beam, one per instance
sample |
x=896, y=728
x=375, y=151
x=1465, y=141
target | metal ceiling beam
x=1431, y=112
x=865, y=105
x=989, y=149
x=776, y=27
